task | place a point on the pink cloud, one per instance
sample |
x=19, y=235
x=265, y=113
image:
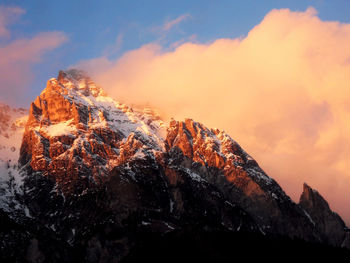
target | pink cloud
x=18, y=56
x=8, y=14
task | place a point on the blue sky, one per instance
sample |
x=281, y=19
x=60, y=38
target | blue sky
x=110, y=28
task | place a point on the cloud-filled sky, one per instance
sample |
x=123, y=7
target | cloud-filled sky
x=275, y=76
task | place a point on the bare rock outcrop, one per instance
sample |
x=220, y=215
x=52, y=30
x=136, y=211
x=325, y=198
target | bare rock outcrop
x=328, y=223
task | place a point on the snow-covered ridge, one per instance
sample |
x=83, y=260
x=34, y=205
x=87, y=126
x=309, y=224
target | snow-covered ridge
x=105, y=112
x=217, y=148
x=75, y=128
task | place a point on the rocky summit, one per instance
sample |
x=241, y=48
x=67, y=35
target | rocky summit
x=97, y=180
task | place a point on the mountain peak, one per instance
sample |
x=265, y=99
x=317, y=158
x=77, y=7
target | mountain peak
x=74, y=124
x=67, y=97
x=328, y=223
x=73, y=74
x=78, y=80
x=312, y=199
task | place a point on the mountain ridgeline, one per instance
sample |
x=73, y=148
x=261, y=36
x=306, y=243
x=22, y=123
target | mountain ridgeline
x=98, y=181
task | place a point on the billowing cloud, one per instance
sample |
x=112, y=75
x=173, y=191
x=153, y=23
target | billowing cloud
x=282, y=92
x=18, y=56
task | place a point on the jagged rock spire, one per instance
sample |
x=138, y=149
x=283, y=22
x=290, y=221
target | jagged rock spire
x=328, y=223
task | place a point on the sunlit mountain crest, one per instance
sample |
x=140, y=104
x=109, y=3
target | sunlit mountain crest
x=75, y=124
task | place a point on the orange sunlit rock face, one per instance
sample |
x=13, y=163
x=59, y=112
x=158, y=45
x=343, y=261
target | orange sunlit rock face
x=70, y=139
x=282, y=91
x=215, y=150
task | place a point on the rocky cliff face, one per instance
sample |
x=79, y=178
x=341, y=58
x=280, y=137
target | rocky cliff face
x=215, y=158
x=328, y=223
x=97, y=172
x=75, y=134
